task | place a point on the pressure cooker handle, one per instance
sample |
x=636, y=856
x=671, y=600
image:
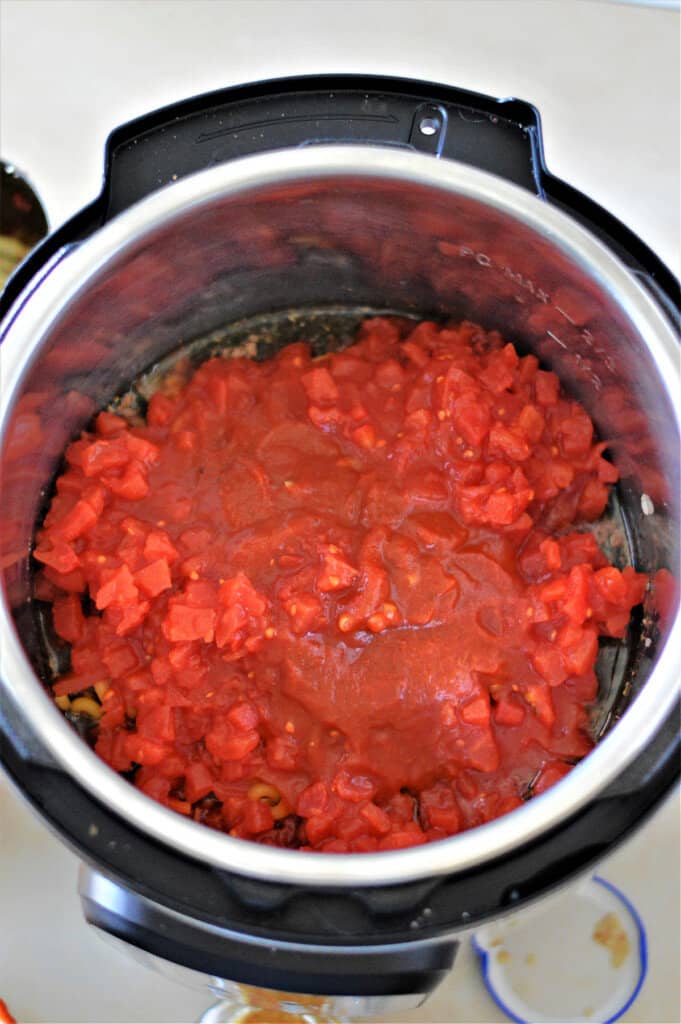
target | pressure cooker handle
x=502, y=136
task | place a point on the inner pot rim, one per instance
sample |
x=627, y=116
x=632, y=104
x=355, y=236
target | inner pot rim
x=29, y=323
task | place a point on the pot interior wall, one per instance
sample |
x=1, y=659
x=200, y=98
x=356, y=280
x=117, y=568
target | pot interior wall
x=329, y=250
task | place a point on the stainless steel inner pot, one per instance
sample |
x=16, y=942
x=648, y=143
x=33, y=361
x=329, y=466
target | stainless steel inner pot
x=344, y=226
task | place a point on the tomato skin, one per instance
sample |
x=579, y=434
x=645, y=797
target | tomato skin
x=345, y=604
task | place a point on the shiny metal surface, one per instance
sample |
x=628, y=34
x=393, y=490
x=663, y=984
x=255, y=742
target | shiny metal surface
x=98, y=891
x=104, y=901
x=355, y=225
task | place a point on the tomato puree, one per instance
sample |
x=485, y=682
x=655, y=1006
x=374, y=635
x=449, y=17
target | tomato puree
x=339, y=603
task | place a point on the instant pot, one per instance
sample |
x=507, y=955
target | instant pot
x=313, y=202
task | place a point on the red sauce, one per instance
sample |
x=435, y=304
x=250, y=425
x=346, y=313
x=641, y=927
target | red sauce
x=346, y=586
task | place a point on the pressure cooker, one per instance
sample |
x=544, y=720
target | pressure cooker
x=336, y=197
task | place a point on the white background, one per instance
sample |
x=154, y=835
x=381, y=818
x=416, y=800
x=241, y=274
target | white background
x=606, y=80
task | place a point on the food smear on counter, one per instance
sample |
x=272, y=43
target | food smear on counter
x=345, y=603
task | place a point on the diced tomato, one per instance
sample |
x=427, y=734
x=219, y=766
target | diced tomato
x=313, y=801
x=611, y=585
x=531, y=423
x=549, y=663
x=637, y=584
x=60, y=556
x=160, y=410
x=198, y=781
x=305, y=612
x=401, y=840
x=282, y=752
x=390, y=375
x=158, y=545
x=240, y=590
x=108, y=424
x=119, y=588
x=132, y=485
x=538, y=696
x=143, y=750
x=320, y=386
x=119, y=658
x=576, y=601
x=68, y=618
x=476, y=711
x=414, y=353
x=244, y=716
x=550, y=774
x=103, y=456
x=154, y=578
x=318, y=828
x=505, y=442
x=472, y=419
x=157, y=723
x=438, y=809
x=127, y=618
x=481, y=751
x=509, y=712
x=257, y=816
x=184, y=623
x=231, y=746
x=376, y=818
x=579, y=648
x=576, y=432
x=551, y=552
x=593, y=499
x=353, y=787
x=142, y=451
x=77, y=521
x=554, y=591
x=336, y=572
x=546, y=387
x=364, y=436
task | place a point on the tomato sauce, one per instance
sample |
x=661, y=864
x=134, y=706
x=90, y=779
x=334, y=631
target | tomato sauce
x=339, y=603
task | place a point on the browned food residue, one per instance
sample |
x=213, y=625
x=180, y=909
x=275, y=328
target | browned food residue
x=609, y=932
x=266, y=1007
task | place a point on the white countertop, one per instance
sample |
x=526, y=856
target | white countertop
x=605, y=78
